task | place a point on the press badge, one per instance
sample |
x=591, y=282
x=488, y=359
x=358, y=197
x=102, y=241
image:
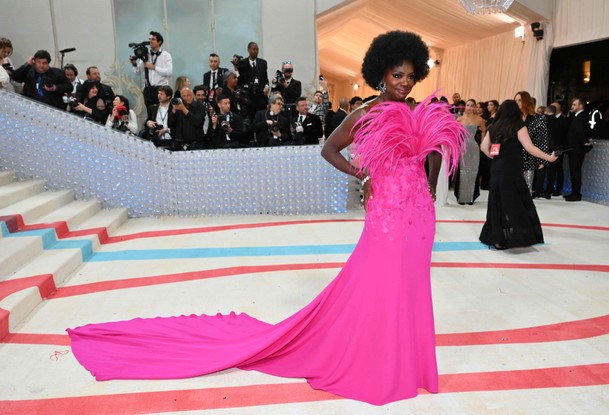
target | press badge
x=495, y=149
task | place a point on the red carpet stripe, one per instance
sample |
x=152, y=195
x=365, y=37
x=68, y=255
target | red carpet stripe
x=181, y=277
x=62, y=230
x=286, y=393
x=554, y=332
x=221, y=272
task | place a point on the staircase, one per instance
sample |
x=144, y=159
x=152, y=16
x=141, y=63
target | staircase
x=45, y=236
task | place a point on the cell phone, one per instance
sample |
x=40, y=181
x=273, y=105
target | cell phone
x=561, y=151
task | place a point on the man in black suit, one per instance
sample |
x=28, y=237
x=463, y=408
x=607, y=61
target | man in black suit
x=41, y=82
x=226, y=128
x=215, y=76
x=577, y=137
x=557, y=132
x=187, y=127
x=160, y=119
x=253, y=77
x=341, y=114
x=306, y=127
x=290, y=88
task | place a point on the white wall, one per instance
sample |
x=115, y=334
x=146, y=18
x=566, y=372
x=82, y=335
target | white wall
x=86, y=25
x=291, y=36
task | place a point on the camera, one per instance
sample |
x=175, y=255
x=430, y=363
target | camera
x=275, y=126
x=224, y=121
x=152, y=130
x=176, y=101
x=236, y=59
x=71, y=101
x=140, y=50
x=49, y=83
x=279, y=76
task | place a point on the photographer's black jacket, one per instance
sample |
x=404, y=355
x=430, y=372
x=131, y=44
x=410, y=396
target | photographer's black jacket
x=28, y=75
x=291, y=93
x=188, y=129
x=313, y=129
x=217, y=136
x=247, y=74
x=264, y=137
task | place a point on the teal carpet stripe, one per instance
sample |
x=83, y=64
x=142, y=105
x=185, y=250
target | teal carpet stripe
x=50, y=241
x=191, y=253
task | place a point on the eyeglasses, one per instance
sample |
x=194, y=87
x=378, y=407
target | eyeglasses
x=286, y=62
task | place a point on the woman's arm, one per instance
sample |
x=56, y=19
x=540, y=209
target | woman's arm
x=485, y=146
x=340, y=139
x=435, y=163
x=525, y=140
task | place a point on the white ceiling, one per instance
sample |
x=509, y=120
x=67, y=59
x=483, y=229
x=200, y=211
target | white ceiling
x=345, y=31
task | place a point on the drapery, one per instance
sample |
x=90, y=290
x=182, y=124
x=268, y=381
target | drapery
x=497, y=67
x=580, y=21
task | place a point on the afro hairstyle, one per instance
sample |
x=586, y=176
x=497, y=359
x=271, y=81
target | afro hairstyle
x=391, y=49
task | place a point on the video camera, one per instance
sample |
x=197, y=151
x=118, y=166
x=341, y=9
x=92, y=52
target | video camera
x=280, y=77
x=140, y=50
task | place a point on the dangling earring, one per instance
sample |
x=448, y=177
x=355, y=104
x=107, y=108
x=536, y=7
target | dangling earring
x=382, y=87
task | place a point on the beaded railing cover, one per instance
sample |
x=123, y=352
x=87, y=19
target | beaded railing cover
x=39, y=142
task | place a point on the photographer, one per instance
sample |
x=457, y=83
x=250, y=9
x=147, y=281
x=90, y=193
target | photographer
x=71, y=73
x=189, y=118
x=106, y=91
x=92, y=105
x=271, y=127
x=253, y=78
x=289, y=87
x=306, y=128
x=160, y=119
x=41, y=82
x=158, y=67
x=215, y=76
x=122, y=118
x=321, y=102
x=226, y=129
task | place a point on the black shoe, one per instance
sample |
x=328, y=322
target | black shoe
x=556, y=194
x=535, y=195
x=573, y=198
x=546, y=195
x=500, y=247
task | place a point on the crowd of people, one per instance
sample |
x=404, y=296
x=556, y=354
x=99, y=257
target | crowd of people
x=242, y=107
x=237, y=107
x=550, y=130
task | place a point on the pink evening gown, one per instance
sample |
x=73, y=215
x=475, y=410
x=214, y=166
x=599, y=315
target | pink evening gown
x=369, y=335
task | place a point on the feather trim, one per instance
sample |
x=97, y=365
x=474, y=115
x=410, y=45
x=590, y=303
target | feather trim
x=390, y=131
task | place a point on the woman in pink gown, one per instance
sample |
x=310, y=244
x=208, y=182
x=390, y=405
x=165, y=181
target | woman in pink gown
x=369, y=335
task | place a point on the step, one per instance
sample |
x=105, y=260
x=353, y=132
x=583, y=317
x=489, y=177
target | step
x=74, y=213
x=20, y=305
x=60, y=264
x=7, y=177
x=16, y=251
x=108, y=219
x=16, y=191
x=38, y=205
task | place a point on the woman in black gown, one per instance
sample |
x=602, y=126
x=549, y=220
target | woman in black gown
x=511, y=217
